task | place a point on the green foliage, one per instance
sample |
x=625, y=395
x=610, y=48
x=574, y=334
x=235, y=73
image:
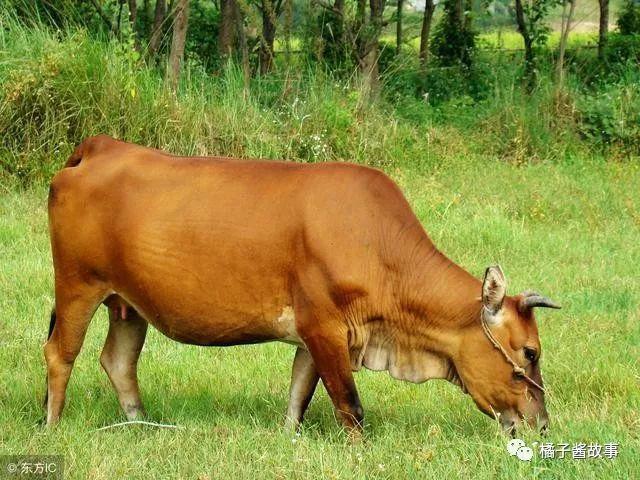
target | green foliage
x=536, y=13
x=623, y=50
x=59, y=86
x=611, y=116
x=204, y=25
x=629, y=19
x=331, y=44
x=454, y=37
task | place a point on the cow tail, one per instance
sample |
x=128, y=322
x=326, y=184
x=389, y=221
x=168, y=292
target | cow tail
x=76, y=156
x=52, y=324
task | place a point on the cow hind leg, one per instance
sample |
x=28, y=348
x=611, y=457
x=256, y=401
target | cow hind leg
x=119, y=358
x=75, y=305
x=304, y=379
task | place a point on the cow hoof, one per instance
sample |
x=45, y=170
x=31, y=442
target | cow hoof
x=355, y=436
x=135, y=412
x=291, y=425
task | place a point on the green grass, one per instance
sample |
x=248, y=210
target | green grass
x=500, y=177
x=569, y=230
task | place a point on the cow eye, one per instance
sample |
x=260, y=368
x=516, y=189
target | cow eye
x=530, y=354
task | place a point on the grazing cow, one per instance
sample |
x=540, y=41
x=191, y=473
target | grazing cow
x=328, y=257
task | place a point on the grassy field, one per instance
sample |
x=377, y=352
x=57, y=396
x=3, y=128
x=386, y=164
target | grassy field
x=570, y=230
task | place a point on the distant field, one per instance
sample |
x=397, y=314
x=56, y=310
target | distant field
x=570, y=230
x=584, y=29
x=508, y=38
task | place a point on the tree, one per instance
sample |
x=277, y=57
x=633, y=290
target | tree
x=399, y=27
x=530, y=20
x=228, y=27
x=564, y=37
x=156, y=31
x=425, y=32
x=603, y=28
x=270, y=10
x=176, y=54
x=370, y=45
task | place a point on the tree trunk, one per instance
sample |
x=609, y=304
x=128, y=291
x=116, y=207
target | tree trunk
x=356, y=33
x=244, y=49
x=529, y=53
x=369, y=62
x=564, y=38
x=156, y=31
x=133, y=13
x=226, y=39
x=178, y=40
x=425, y=32
x=459, y=13
x=399, y=27
x=268, y=36
x=603, y=30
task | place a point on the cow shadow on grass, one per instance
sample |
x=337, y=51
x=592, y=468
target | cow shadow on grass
x=93, y=404
x=265, y=409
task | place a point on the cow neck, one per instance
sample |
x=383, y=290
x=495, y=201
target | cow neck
x=438, y=299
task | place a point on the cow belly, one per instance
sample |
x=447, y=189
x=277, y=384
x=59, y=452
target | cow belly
x=203, y=323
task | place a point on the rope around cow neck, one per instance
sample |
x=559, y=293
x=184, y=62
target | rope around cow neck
x=517, y=369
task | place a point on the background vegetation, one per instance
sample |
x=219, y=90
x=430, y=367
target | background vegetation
x=66, y=72
x=532, y=163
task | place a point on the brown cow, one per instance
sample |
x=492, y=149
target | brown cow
x=328, y=257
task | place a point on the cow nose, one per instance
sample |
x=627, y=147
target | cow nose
x=543, y=424
x=509, y=422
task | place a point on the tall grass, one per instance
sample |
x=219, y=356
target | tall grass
x=57, y=87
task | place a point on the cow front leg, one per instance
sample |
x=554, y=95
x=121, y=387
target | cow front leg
x=330, y=353
x=304, y=379
x=119, y=358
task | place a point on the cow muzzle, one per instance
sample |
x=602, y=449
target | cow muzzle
x=511, y=422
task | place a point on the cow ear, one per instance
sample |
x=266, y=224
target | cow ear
x=494, y=288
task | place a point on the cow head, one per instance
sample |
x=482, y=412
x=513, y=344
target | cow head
x=499, y=363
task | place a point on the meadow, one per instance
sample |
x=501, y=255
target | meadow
x=570, y=231
x=546, y=185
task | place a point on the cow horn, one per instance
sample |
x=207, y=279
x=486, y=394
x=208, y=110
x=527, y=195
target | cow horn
x=533, y=299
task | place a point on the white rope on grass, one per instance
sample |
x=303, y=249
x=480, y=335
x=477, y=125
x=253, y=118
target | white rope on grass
x=138, y=422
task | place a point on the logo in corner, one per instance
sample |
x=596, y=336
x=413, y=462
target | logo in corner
x=517, y=448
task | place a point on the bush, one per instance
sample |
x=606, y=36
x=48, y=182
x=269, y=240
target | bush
x=623, y=49
x=629, y=19
x=454, y=38
x=612, y=117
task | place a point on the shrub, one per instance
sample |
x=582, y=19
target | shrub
x=612, y=117
x=629, y=19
